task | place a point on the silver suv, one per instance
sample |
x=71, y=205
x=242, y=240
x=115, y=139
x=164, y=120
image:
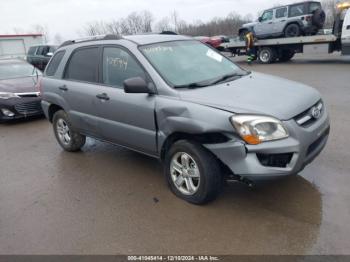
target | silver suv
x=178, y=100
x=305, y=18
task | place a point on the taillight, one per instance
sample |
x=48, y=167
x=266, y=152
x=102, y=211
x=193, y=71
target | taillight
x=308, y=18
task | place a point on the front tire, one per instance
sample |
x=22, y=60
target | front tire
x=66, y=136
x=192, y=173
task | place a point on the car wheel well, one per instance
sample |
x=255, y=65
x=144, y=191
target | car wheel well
x=52, y=110
x=292, y=23
x=206, y=138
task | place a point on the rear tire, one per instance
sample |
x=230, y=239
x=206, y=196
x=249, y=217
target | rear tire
x=267, y=55
x=193, y=174
x=66, y=136
x=292, y=30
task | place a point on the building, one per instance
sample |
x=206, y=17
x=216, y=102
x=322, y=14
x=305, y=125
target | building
x=17, y=46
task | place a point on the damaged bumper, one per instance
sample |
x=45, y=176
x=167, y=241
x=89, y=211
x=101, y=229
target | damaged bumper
x=276, y=158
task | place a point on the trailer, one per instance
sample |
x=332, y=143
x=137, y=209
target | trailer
x=17, y=46
x=284, y=49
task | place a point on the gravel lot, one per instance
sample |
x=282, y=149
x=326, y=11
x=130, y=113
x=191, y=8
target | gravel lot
x=108, y=200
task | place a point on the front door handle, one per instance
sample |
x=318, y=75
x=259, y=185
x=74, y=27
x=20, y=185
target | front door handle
x=63, y=88
x=103, y=96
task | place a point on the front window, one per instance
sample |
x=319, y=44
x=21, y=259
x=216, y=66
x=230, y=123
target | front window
x=184, y=63
x=267, y=15
x=17, y=70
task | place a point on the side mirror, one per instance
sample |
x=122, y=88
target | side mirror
x=260, y=19
x=50, y=54
x=137, y=85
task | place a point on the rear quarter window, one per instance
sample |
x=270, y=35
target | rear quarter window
x=32, y=50
x=297, y=10
x=54, y=63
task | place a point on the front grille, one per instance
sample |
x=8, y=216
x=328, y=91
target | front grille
x=29, y=108
x=275, y=160
x=311, y=115
x=316, y=144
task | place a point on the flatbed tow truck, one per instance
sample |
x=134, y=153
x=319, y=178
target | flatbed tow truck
x=283, y=49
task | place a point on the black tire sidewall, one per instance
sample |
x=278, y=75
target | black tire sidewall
x=210, y=177
x=292, y=25
x=77, y=140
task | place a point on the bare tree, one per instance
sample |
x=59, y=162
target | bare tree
x=134, y=23
x=329, y=6
x=163, y=25
x=58, y=39
x=42, y=29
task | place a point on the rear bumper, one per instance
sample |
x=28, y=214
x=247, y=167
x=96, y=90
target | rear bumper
x=21, y=108
x=289, y=156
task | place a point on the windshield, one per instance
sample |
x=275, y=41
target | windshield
x=17, y=70
x=183, y=63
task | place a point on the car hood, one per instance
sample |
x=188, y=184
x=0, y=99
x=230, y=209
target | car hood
x=257, y=94
x=251, y=24
x=19, y=85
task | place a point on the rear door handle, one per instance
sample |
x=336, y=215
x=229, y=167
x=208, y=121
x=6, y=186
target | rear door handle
x=103, y=96
x=63, y=88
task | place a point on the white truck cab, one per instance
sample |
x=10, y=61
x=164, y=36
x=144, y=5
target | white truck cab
x=345, y=38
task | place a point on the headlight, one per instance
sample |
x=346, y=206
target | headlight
x=6, y=95
x=257, y=129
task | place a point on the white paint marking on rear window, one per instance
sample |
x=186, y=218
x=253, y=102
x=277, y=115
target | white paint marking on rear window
x=214, y=55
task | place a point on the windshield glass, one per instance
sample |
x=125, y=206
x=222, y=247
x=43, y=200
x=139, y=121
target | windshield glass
x=183, y=63
x=17, y=70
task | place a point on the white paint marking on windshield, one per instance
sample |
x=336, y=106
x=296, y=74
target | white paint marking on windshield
x=214, y=55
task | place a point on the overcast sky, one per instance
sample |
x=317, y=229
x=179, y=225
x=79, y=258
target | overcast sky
x=68, y=17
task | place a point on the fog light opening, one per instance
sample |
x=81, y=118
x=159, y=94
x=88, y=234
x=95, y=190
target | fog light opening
x=7, y=112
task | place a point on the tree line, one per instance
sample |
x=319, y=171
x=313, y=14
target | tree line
x=144, y=22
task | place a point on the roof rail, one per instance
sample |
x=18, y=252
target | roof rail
x=90, y=38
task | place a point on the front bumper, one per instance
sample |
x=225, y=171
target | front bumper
x=21, y=107
x=303, y=145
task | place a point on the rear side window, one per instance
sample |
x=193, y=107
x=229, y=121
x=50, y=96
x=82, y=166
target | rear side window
x=297, y=10
x=32, y=50
x=313, y=7
x=282, y=12
x=54, y=63
x=83, y=65
x=40, y=50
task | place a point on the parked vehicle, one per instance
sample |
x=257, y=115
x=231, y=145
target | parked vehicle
x=214, y=41
x=305, y=18
x=178, y=100
x=284, y=49
x=19, y=90
x=39, y=56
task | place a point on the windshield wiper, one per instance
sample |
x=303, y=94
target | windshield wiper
x=212, y=82
x=193, y=85
x=228, y=77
